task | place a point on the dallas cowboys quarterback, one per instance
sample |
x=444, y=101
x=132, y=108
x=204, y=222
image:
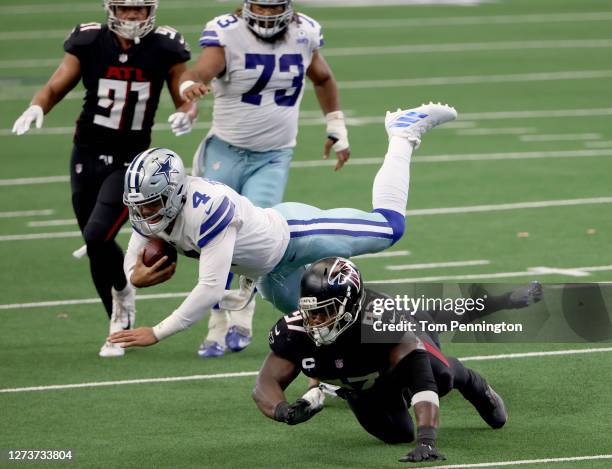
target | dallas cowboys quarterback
x=324, y=340
x=256, y=60
x=210, y=221
x=123, y=66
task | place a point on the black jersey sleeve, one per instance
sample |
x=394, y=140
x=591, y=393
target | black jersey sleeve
x=286, y=338
x=173, y=43
x=81, y=37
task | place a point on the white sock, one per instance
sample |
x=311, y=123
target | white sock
x=218, y=324
x=244, y=317
x=390, y=189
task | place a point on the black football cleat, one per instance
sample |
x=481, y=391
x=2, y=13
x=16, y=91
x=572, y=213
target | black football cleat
x=492, y=409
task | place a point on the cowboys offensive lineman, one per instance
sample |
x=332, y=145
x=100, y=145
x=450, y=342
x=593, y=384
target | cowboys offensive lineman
x=209, y=220
x=256, y=61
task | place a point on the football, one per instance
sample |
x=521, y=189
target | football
x=157, y=248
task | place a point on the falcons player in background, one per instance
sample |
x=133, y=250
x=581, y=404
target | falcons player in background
x=123, y=66
x=380, y=381
x=256, y=60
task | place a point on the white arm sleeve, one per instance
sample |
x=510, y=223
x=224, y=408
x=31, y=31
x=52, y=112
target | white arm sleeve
x=136, y=244
x=215, y=264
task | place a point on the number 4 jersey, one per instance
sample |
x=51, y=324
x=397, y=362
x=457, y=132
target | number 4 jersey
x=257, y=98
x=122, y=87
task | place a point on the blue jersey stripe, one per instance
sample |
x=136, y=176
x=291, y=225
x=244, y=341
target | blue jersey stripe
x=214, y=218
x=219, y=228
x=208, y=33
x=348, y=221
x=356, y=234
x=209, y=42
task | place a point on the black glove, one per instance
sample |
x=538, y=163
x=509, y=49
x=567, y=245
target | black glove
x=423, y=452
x=295, y=413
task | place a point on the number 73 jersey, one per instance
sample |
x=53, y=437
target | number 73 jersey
x=122, y=86
x=257, y=98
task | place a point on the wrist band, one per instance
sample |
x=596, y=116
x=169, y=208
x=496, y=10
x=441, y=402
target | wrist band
x=183, y=86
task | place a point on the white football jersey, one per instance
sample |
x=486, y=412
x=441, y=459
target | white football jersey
x=257, y=99
x=210, y=207
x=226, y=232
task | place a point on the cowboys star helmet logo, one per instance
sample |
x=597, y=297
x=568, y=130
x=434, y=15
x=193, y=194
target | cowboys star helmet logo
x=166, y=169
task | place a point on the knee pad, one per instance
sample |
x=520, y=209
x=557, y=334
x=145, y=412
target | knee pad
x=396, y=221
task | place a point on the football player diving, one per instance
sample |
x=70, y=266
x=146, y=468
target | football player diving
x=123, y=66
x=380, y=381
x=256, y=61
x=226, y=232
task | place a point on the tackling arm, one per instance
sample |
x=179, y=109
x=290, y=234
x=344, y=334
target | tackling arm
x=275, y=375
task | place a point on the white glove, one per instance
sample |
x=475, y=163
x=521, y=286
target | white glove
x=336, y=130
x=316, y=398
x=31, y=114
x=181, y=123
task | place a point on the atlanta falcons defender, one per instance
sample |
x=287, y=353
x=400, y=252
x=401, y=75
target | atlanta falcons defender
x=256, y=60
x=210, y=221
x=323, y=340
x=123, y=66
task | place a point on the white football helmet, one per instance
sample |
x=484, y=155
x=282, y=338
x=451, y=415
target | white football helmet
x=133, y=30
x=154, y=190
x=267, y=26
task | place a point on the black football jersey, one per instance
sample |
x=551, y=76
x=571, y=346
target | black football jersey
x=347, y=362
x=122, y=87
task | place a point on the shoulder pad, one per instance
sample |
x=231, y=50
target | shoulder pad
x=171, y=39
x=84, y=34
x=310, y=22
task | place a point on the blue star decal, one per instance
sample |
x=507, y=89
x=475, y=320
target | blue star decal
x=166, y=169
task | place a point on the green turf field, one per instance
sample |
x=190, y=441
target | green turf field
x=529, y=154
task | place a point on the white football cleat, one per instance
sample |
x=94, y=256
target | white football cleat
x=110, y=350
x=413, y=123
x=123, y=318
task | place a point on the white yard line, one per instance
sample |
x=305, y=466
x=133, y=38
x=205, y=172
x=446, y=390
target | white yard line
x=12, y=93
x=496, y=131
x=522, y=462
x=318, y=163
x=383, y=254
x=27, y=213
x=39, y=224
x=600, y=144
x=437, y=265
x=374, y=23
x=462, y=47
x=559, y=137
x=242, y=374
x=513, y=206
x=412, y=213
x=401, y=49
x=531, y=272
x=476, y=79
x=34, y=180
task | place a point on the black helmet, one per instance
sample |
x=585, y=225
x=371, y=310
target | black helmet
x=331, y=295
